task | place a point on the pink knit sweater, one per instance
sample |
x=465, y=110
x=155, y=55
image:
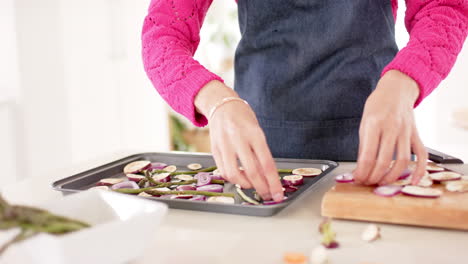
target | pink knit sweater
x=171, y=30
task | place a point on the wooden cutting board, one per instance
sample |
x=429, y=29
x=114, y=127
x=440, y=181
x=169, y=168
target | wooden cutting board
x=355, y=202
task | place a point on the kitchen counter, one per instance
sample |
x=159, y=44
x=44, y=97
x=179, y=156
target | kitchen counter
x=199, y=237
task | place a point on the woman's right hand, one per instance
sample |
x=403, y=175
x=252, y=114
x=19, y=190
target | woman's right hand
x=235, y=134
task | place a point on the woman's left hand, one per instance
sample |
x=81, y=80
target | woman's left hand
x=388, y=128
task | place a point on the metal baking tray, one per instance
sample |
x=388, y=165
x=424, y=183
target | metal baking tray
x=87, y=179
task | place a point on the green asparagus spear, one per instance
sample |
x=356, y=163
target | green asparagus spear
x=162, y=185
x=154, y=192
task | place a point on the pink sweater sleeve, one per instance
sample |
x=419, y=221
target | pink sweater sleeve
x=170, y=38
x=437, y=31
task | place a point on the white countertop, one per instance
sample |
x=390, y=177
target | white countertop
x=199, y=237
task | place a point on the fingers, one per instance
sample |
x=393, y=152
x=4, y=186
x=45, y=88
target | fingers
x=369, y=138
x=230, y=167
x=252, y=171
x=268, y=167
x=386, y=150
x=402, y=159
x=421, y=154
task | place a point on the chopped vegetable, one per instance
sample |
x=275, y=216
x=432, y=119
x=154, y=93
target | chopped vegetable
x=198, y=198
x=184, y=177
x=405, y=174
x=293, y=180
x=194, y=166
x=162, y=177
x=388, y=190
x=186, y=188
x=371, y=233
x=319, y=255
x=182, y=196
x=125, y=185
x=244, y=196
x=136, y=166
x=221, y=199
x=211, y=188
x=205, y=193
x=445, y=176
x=403, y=182
x=423, y=192
x=109, y=181
x=294, y=258
x=328, y=236
x=171, y=168
x=33, y=221
x=135, y=177
x=144, y=194
x=425, y=182
x=157, y=166
x=307, y=172
x=432, y=167
x=271, y=202
x=163, y=189
x=203, y=179
x=289, y=188
x=217, y=172
x=457, y=186
x=344, y=178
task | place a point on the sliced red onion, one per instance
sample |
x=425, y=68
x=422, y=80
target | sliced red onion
x=125, y=185
x=170, y=168
x=211, y=188
x=405, y=174
x=293, y=180
x=201, y=174
x=194, y=166
x=333, y=244
x=167, y=196
x=289, y=188
x=388, y=190
x=271, y=202
x=144, y=194
x=432, y=167
x=162, y=189
x=136, y=166
x=162, y=177
x=135, y=177
x=184, y=177
x=457, y=186
x=109, y=181
x=425, y=181
x=198, y=198
x=183, y=196
x=445, y=176
x=217, y=177
x=344, y=178
x=186, y=188
x=423, y=192
x=307, y=172
x=203, y=179
x=157, y=166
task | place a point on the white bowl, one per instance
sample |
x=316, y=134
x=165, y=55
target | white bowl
x=122, y=228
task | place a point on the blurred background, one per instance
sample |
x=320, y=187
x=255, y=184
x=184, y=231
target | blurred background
x=73, y=88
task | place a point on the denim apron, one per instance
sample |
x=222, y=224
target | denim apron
x=307, y=67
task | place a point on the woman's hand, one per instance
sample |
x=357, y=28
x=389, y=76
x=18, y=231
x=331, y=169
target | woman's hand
x=388, y=127
x=235, y=134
